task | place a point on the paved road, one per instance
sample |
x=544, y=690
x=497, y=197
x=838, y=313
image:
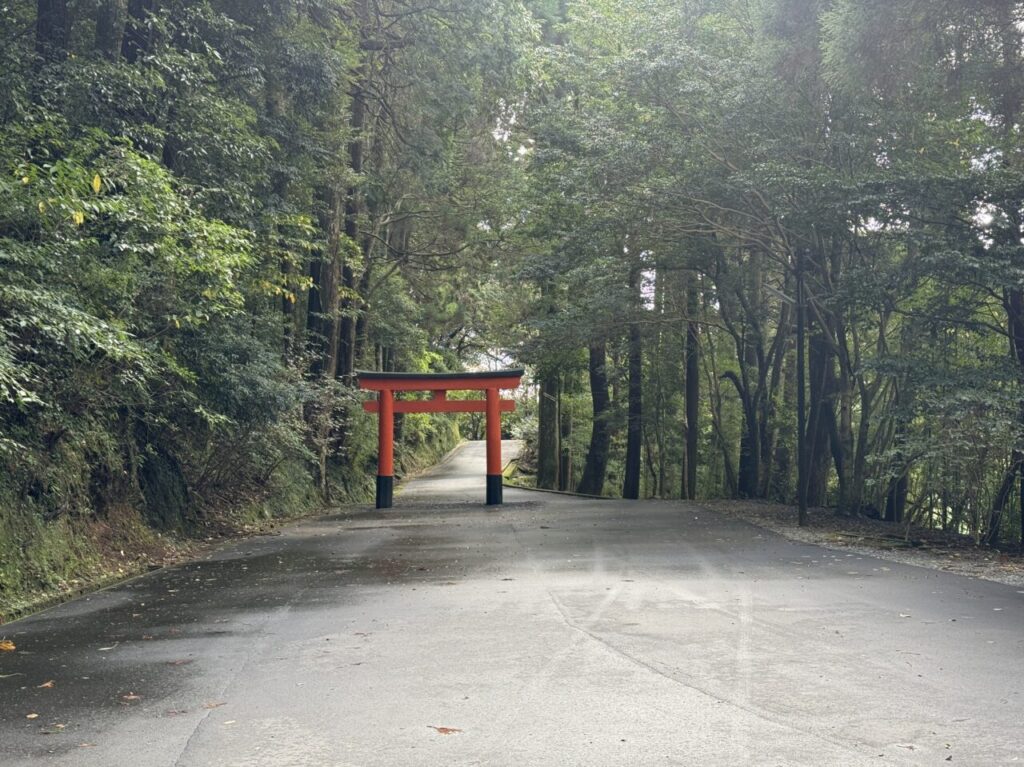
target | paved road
x=555, y=631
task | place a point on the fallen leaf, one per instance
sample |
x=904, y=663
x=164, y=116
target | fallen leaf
x=7, y=646
x=215, y=705
x=46, y=685
x=32, y=716
x=445, y=730
x=131, y=696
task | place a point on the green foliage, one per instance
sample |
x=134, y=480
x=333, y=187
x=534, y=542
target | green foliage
x=720, y=145
x=171, y=204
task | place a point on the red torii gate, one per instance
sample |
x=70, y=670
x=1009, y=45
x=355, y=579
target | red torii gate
x=439, y=384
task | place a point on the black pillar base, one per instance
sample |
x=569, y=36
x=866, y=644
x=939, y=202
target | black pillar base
x=385, y=492
x=494, y=489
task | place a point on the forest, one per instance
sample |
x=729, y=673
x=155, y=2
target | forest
x=762, y=249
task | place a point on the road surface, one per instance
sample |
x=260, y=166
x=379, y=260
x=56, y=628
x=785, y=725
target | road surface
x=554, y=631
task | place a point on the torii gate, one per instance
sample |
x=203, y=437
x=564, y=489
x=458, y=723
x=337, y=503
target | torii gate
x=439, y=384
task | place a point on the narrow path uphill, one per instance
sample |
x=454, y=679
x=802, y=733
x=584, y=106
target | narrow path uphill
x=457, y=480
x=550, y=631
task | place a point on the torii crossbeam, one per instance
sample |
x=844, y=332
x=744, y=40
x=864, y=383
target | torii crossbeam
x=438, y=384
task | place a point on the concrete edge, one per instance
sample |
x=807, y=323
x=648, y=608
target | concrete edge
x=559, y=492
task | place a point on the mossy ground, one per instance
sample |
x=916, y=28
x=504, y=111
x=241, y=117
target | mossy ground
x=43, y=562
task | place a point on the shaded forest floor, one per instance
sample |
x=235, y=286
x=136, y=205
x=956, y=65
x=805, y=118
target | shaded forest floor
x=918, y=546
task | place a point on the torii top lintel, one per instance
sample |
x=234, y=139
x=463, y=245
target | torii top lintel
x=491, y=379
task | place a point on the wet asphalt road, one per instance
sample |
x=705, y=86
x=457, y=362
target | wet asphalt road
x=555, y=631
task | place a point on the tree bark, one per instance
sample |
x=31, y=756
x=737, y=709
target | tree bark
x=314, y=310
x=775, y=381
x=692, y=393
x=1001, y=499
x=322, y=318
x=801, y=391
x=634, y=419
x=110, y=19
x=549, y=431
x=1008, y=79
x=896, y=498
x=353, y=209
x=53, y=26
x=137, y=38
x=818, y=426
x=600, y=435
x=564, y=452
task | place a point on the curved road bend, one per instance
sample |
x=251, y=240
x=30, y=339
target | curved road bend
x=554, y=631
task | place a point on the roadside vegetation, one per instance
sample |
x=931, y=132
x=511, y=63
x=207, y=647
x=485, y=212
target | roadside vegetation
x=731, y=197
x=211, y=213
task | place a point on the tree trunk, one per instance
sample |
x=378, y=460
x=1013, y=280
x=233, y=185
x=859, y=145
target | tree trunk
x=860, y=456
x=314, y=311
x=136, y=41
x=715, y=402
x=323, y=320
x=346, y=324
x=1013, y=302
x=634, y=421
x=781, y=487
x=801, y=390
x=353, y=209
x=53, y=26
x=564, y=453
x=818, y=423
x=600, y=435
x=692, y=393
x=775, y=391
x=276, y=100
x=331, y=300
x=1001, y=499
x=549, y=431
x=896, y=498
x=1009, y=82
x=110, y=19
x=287, y=313
x=750, y=444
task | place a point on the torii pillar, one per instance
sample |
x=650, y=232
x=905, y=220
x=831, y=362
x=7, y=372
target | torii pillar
x=439, y=384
